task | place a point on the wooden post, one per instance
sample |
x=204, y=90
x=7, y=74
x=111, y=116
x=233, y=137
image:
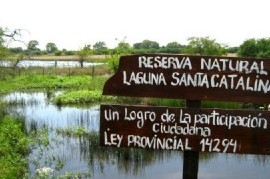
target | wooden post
x=14, y=71
x=93, y=70
x=173, y=72
x=191, y=158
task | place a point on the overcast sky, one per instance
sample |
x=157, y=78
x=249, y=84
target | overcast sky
x=71, y=24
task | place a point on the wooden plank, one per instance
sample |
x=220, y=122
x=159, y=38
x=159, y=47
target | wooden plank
x=206, y=130
x=192, y=77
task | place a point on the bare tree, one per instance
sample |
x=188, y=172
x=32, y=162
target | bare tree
x=13, y=35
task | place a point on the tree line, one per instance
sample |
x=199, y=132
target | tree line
x=196, y=45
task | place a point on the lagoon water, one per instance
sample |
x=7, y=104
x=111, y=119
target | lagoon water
x=79, y=154
x=46, y=63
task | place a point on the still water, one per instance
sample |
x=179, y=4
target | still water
x=82, y=154
x=48, y=63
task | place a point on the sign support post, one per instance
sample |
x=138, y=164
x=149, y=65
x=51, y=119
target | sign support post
x=191, y=158
x=192, y=129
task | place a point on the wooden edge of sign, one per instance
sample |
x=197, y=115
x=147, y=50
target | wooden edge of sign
x=117, y=86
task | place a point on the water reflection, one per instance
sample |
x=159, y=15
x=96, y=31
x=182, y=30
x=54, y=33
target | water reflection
x=37, y=109
x=82, y=153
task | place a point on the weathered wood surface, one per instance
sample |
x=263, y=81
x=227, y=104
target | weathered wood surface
x=228, y=131
x=192, y=77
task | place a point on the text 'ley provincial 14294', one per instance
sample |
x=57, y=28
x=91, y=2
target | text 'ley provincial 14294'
x=206, y=130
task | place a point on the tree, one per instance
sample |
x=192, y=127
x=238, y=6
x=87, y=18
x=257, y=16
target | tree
x=3, y=49
x=255, y=48
x=232, y=49
x=204, y=46
x=138, y=45
x=1, y=36
x=99, y=45
x=10, y=35
x=51, y=47
x=248, y=48
x=100, y=48
x=3, y=52
x=84, y=53
x=122, y=48
x=32, y=45
x=173, y=47
x=16, y=50
x=148, y=44
x=7, y=35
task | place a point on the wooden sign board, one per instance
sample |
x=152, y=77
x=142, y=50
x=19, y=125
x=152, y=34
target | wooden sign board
x=206, y=130
x=192, y=77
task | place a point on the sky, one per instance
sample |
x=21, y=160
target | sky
x=72, y=24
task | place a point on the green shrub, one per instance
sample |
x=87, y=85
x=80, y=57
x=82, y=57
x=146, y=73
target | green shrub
x=13, y=149
x=82, y=97
x=58, y=53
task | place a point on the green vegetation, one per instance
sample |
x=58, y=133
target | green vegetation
x=13, y=149
x=122, y=48
x=84, y=53
x=255, y=48
x=51, y=47
x=203, y=46
x=167, y=102
x=226, y=105
x=53, y=82
x=196, y=45
x=82, y=86
x=71, y=131
x=82, y=97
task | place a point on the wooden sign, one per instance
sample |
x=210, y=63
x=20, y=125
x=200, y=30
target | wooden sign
x=206, y=130
x=192, y=77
